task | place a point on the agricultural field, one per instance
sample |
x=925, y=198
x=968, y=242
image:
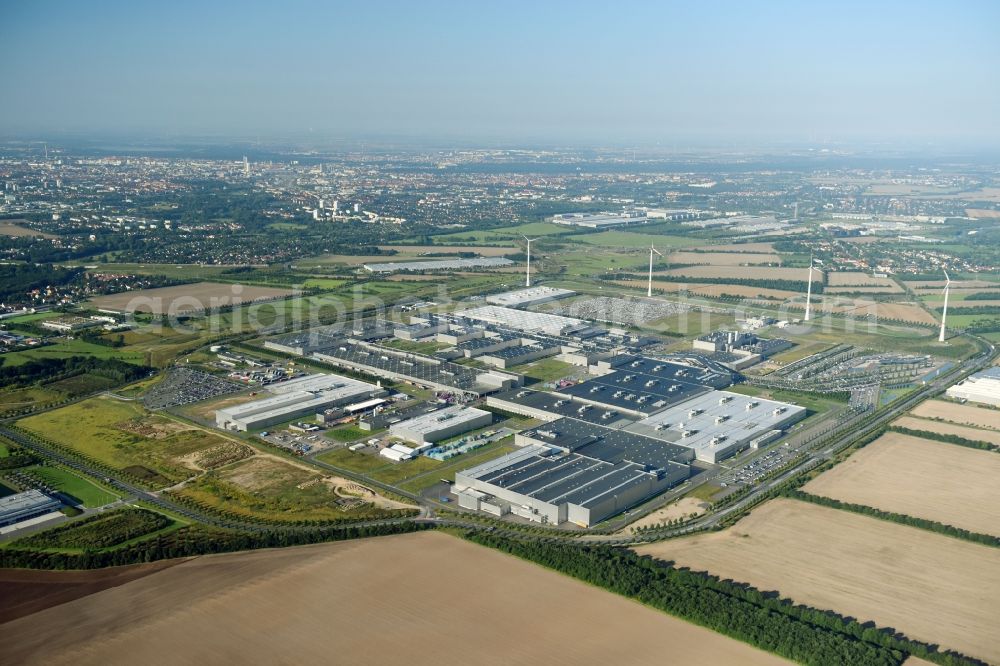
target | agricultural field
x=859, y=279
x=967, y=414
x=65, y=348
x=945, y=428
x=741, y=273
x=634, y=240
x=13, y=229
x=187, y=298
x=931, y=587
x=273, y=488
x=724, y=258
x=175, y=611
x=917, y=477
x=124, y=436
x=423, y=250
x=694, y=290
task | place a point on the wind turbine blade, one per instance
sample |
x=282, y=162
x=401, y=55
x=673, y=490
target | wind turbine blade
x=656, y=251
x=947, y=280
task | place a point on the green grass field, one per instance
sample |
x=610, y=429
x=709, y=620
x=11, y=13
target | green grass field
x=635, y=240
x=123, y=436
x=76, y=487
x=446, y=470
x=67, y=348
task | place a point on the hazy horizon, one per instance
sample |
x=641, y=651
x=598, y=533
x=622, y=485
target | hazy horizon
x=915, y=74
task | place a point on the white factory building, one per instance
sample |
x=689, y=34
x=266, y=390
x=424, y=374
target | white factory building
x=718, y=424
x=523, y=298
x=530, y=322
x=441, y=424
x=298, y=397
x=982, y=387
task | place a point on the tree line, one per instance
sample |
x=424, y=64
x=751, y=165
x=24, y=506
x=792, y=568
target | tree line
x=941, y=437
x=49, y=369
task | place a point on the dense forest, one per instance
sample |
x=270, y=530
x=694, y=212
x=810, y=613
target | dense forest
x=48, y=369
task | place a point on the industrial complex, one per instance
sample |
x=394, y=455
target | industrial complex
x=441, y=424
x=294, y=398
x=982, y=387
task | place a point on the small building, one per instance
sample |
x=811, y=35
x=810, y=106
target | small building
x=26, y=505
x=441, y=424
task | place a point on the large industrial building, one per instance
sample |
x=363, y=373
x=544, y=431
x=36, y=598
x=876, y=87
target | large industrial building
x=295, y=398
x=569, y=470
x=532, y=322
x=982, y=387
x=26, y=505
x=523, y=298
x=441, y=424
x=600, y=220
x=550, y=407
x=718, y=424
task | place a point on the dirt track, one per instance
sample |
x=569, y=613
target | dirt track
x=931, y=587
x=417, y=599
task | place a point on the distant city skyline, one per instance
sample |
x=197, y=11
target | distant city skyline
x=917, y=73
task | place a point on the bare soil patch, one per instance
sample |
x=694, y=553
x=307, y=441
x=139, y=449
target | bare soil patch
x=931, y=587
x=917, y=477
x=765, y=248
x=25, y=591
x=682, y=508
x=188, y=298
x=391, y=600
x=742, y=272
x=858, y=279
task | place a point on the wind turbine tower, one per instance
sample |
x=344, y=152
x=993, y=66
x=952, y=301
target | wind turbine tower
x=944, y=312
x=649, y=287
x=527, y=275
x=809, y=290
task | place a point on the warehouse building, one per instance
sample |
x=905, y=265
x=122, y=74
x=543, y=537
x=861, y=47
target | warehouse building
x=633, y=393
x=441, y=424
x=26, y=505
x=293, y=399
x=532, y=322
x=569, y=470
x=718, y=424
x=518, y=355
x=550, y=407
x=416, y=369
x=523, y=298
x=601, y=220
x=982, y=387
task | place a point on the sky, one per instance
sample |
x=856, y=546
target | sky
x=593, y=72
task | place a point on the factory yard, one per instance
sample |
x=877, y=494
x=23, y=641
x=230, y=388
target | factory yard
x=187, y=298
x=928, y=586
x=950, y=484
x=353, y=602
x=978, y=417
x=943, y=428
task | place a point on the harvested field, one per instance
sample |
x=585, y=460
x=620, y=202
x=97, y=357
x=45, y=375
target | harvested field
x=931, y=587
x=423, y=250
x=15, y=230
x=352, y=602
x=955, y=284
x=864, y=290
x=187, y=298
x=724, y=258
x=710, y=290
x=917, y=477
x=682, y=508
x=979, y=417
x=25, y=591
x=741, y=273
x=858, y=279
x=862, y=308
x=764, y=248
x=977, y=434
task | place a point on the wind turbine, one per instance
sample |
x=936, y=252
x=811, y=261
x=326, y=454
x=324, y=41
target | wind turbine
x=649, y=288
x=809, y=289
x=527, y=275
x=944, y=312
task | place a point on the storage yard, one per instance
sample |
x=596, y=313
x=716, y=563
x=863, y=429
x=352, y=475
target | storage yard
x=929, y=586
x=354, y=600
x=917, y=477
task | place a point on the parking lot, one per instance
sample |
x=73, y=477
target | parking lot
x=182, y=386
